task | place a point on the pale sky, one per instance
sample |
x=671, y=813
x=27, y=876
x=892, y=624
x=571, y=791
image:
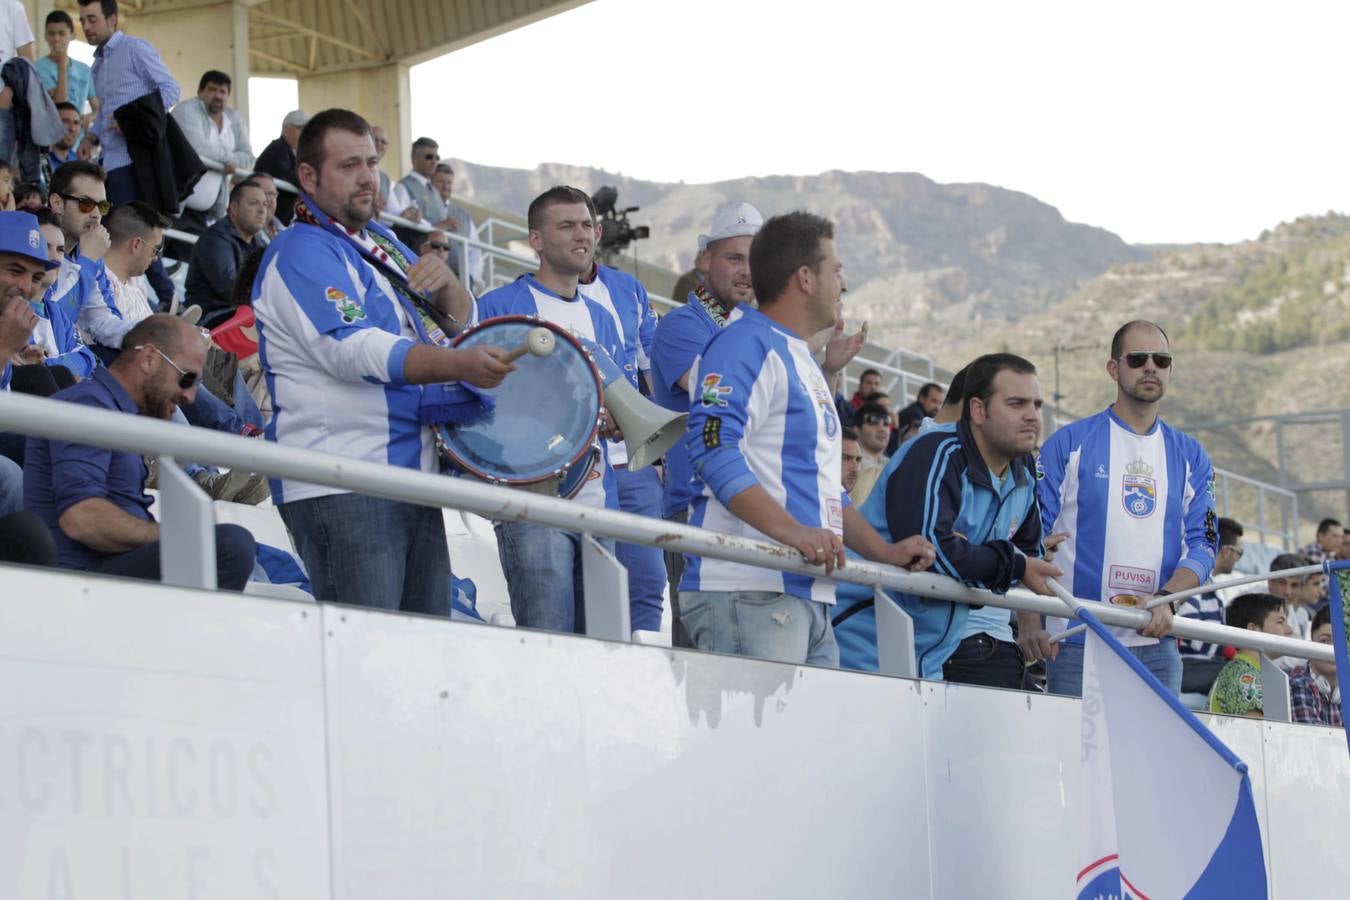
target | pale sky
x=1161, y=121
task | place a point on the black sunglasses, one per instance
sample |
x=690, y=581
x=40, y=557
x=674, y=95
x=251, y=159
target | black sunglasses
x=433, y=245
x=87, y=204
x=1137, y=360
x=431, y=156
x=876, y=419
x=186, y=379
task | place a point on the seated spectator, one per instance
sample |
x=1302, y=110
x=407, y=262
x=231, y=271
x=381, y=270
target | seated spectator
x=868, y=384
x=66, y=149
x=950, y=410
x=269, y=189
x=850, y=456
x=873, y=424
x=1299, y=592
x=970, y=489
x=1201, y=661
x=925, y=405
x=1314, y=691
x=29, y=197
x=434, y=242
x=67, y=80
x=457, y=220
x=1327, y=546
x=93, y=500
x=21, y=267
x=219, y=135
x=381, y=139
x=278, y=160
x=56, y=335
x=78, y=198
x=221, y=250
x=7, y=202
x=1237, y=689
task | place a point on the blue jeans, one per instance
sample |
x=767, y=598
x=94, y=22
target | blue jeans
x=760, y=624
x=543, y=575
x=122, y=186
x=1065, y=672
x=236, y=552
x=209, y=411
x=11, y=486
x=640, y=493
x=368, y=551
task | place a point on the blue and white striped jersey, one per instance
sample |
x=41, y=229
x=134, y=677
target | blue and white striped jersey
x=761, y=414
x=332, y=338
x=55, y=333
x=624, y=297
x=1135, y=507
x=526, y=296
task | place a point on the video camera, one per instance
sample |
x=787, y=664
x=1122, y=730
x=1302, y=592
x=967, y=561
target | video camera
x=616, y=232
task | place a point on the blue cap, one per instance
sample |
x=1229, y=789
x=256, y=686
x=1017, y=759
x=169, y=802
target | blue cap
x=20, y=235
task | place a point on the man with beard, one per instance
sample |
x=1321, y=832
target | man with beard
x=543, y=565
x=347, y=336
x=1136, y=498
x=93, y=500
x=723, y=260
x=219, y=135
x=970, y=489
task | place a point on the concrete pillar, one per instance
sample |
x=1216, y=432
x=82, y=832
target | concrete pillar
x=383, y=95
x=193, y=39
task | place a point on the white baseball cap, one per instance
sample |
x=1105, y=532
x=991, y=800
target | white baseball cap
x=732, y=220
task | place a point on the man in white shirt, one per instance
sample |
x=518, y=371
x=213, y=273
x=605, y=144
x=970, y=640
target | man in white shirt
x=219, y=135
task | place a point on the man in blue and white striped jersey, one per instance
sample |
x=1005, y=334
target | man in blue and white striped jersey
x=764, y=439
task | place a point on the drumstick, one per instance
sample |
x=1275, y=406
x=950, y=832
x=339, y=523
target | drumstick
x=538, y=342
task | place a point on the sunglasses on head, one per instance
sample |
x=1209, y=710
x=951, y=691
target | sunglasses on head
x=186, y=379
x=87, y=204
x=1137, y=360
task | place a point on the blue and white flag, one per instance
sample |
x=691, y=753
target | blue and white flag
x=1167, y=808
x=1338, y=574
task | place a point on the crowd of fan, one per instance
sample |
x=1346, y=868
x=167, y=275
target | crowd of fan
x=957, y=480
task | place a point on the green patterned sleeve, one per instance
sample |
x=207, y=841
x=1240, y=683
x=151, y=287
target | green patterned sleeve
x=1237, y=690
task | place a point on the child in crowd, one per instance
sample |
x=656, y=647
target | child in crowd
x=6, y=186
x=1314, y=695
x=29, y=197
x=1237, y=690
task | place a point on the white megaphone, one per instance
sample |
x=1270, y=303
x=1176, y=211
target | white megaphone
x=649, y=430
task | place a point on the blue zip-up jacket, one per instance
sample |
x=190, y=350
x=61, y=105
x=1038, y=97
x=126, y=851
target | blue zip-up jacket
x=939, y=486
x=72, y=354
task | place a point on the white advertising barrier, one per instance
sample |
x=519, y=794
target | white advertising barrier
x=158, y=743
x=166, y=743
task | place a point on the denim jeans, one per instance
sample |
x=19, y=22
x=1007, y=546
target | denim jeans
x=1065, y=672
x=543, y=575
x=122, y=186
x=985, y=660
x=209, y=411
x=640, y=493
x=760, y=624
x=236, y=552
x=368, y=551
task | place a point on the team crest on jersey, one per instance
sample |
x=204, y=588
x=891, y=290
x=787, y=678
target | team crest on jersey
x=714, y=391
x=1139, y=490
x=831, y=420
x=348, y=308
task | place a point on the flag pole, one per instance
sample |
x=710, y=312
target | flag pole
x=1191, y=592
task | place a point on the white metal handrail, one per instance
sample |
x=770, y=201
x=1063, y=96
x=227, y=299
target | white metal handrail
x=54, y=419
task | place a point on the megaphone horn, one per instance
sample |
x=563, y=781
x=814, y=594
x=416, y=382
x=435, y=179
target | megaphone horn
x=649, y=430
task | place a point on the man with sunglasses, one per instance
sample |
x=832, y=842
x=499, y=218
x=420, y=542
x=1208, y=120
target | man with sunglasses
x=1136, y=497
x=415, y=194
x=92, y=499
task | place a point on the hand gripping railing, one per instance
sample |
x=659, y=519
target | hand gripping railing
x=185, y=516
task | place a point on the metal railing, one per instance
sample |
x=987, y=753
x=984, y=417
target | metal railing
x=188, y=550
x=903, y=372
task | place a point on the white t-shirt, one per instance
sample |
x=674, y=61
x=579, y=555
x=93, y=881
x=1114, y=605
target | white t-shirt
x=14, y=29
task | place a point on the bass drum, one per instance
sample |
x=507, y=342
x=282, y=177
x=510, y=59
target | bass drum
x=543, y=433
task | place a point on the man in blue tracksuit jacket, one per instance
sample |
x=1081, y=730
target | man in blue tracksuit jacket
x=970, y=489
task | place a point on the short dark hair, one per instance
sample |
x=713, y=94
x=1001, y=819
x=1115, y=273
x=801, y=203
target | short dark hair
x=309, y=149
x=926, y=389
x=445, y=167
x=782, y=246
x=1252, y=609
x=1320, y=618
x=66, y=104
x=108, y=7
x=867, y=372
x=1230, y=532
x=60, y=17
x=1118, y=339
x=1289, y=561
x=5, y=166
x=870, y=409
x=849, y=433
x=135, y=218
x=556, y=196
x=237, y=191
x=68, y=172
x=425, y=142
x=30, y=187
x=1326, y=525
x=213, y=76
x=875, y=394
x=956, y=391
x=161, y=329
x=980, y=375
x=44, y=214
